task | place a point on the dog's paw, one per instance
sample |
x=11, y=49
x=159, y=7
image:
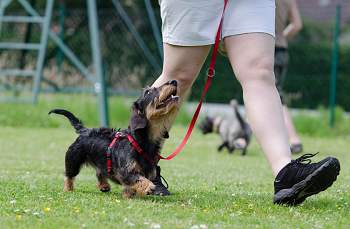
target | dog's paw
x=105, y=189
x=128, y=193
x=151, y=190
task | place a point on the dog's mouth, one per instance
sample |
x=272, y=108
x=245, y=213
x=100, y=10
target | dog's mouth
x=169, y=99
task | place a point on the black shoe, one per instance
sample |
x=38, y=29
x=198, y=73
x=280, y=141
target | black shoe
x=297, y=181
x=161, y=190
x=296, y=148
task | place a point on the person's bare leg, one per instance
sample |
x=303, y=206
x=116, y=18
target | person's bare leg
x=182, y=63
x=291, y=131
x=251, y=56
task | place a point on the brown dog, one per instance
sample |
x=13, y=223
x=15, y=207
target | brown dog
x=132, y=152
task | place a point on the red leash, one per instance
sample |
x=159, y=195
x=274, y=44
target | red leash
x=210, y=74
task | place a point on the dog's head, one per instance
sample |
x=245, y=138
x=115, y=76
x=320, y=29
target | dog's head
x=206, y=125
x=154, y=108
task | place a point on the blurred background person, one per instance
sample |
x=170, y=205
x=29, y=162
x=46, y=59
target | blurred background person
x=288, y=24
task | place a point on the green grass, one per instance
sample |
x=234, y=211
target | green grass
x=218, y=190
x=84, y=106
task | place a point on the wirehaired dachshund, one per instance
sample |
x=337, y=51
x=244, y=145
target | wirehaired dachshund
x=125, y=157
x=229, y=129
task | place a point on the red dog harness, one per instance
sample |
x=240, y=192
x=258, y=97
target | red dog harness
x=133, y=143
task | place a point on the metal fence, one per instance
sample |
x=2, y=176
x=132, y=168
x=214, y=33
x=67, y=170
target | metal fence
x=128, y=68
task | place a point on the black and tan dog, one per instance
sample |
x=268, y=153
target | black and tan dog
x=133, y=151
x=229, y=129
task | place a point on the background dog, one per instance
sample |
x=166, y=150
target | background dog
x=131, y=167
x=229, y=129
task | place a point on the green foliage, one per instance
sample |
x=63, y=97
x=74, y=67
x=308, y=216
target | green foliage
x=318, y=124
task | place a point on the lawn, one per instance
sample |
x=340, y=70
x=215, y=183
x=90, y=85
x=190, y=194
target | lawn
x=209, y=189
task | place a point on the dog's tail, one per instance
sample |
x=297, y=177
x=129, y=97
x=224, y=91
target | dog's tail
x=74, y=121
x=234, y=103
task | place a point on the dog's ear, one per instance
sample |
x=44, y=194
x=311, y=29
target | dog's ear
x=137, y=120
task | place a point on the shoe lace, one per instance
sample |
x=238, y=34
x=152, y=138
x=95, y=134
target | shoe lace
x=305, y=158
x=160, y=177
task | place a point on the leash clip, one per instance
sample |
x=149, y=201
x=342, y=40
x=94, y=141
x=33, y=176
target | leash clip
x=119, y=134
x=212, y=72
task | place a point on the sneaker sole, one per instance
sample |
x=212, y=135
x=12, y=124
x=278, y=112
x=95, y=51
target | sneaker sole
x=318, y=181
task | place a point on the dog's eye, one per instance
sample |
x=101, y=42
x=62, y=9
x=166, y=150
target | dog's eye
x=149, y=92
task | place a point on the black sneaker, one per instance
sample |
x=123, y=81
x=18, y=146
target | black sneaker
x=296, y=148
x=297, y=180
x=161, y=190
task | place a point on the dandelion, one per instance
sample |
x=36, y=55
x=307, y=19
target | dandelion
x=243, y=198
x=236, y=205
x=213, y=189
x=47, y=209
x=336, y=206
x=96, y=212
x=18, y=216
x=103, y=212
x=240, y=213
x=205, y=210
x=205, y=186
x=77, y=210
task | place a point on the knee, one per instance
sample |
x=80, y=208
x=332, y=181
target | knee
x=184, y=76
x=257, y=72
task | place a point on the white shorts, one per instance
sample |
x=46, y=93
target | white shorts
x=195, y=22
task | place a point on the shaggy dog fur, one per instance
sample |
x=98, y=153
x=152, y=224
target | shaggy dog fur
x=130, y=168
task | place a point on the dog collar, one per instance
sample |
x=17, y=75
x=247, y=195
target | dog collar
x=132, y=142
x=216, y=125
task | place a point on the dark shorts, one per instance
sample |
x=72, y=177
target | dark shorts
x=280, y=68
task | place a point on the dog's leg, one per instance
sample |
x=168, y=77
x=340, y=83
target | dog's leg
x=143, y=187
x=128, y=193
x=102, y=181
x=74, y=161
x=68, y=184
x=231, y=149
x=222, y=146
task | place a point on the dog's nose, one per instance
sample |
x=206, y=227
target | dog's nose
x=173, y=82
